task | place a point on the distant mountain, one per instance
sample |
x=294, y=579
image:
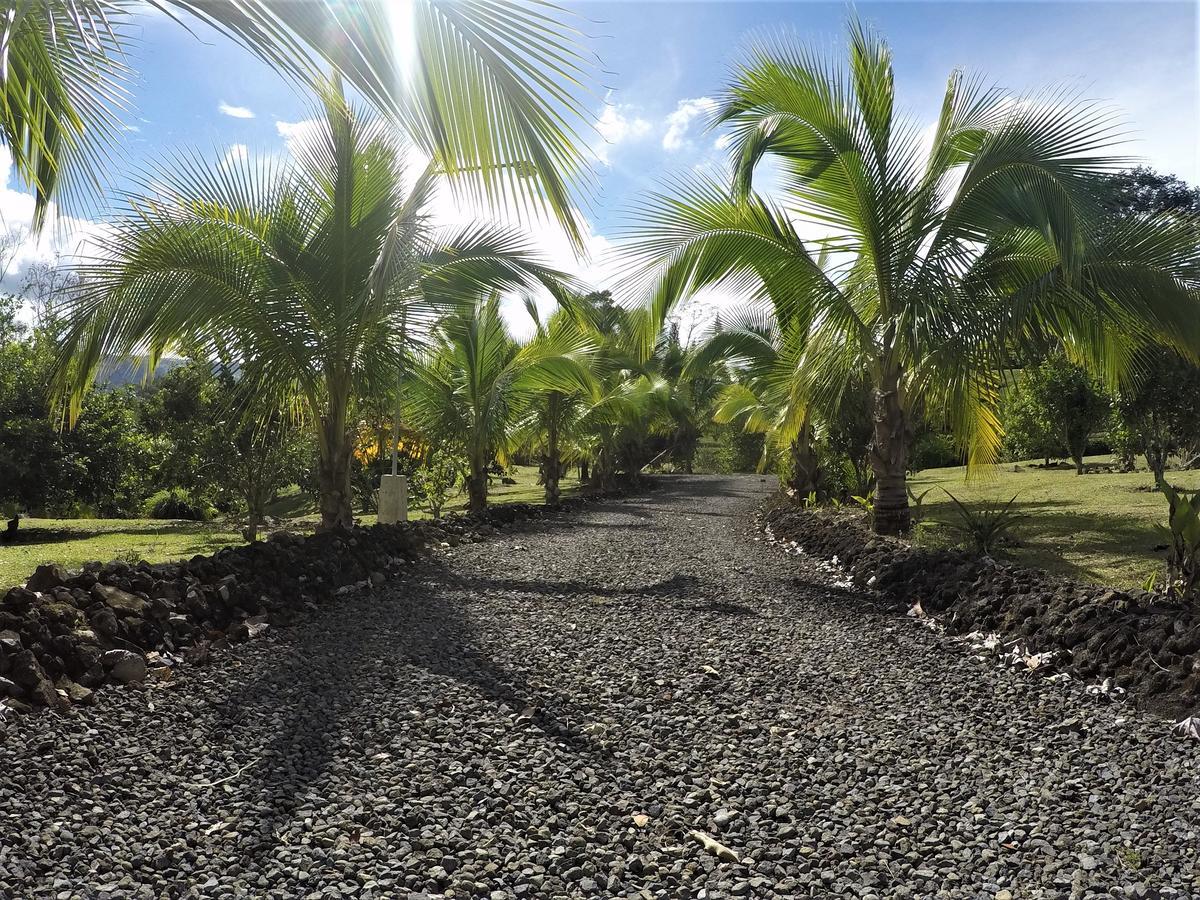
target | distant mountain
x=133, y=371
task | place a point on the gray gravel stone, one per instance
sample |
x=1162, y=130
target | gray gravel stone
x=553, y=721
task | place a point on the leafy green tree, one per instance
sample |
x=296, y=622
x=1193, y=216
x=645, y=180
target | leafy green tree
x=488, y=89
x=938, y=264
x=103, y=464
x=1064, y=398
x=1160, y=410
x=1141, y=191
x=310, y=278
x=1028, y=431
x=474, y=386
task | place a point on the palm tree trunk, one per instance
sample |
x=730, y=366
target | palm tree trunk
x=333, y=473
x=553, y=467
x=889, y=455
x=477, y=488
x=806, y=472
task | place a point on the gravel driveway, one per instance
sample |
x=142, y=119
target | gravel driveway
x=549, y=713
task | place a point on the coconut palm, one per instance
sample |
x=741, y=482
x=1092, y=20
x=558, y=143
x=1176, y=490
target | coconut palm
x=490, y=89
x=935, y=261
x=767, y=398
x=313, y=276
x=633, y=402
x=551, y=426
x=477, y=382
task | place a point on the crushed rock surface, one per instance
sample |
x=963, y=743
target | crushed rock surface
x=553, y=712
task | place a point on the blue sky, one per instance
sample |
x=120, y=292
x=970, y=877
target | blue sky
x=662, y=62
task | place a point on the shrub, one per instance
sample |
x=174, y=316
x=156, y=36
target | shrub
x=1028, y=432
x=176, y=503
x=1183, y=556
x=727, y=450
x=934, y=450
x=1065, y=400
x=439, y=479
x=987, y=526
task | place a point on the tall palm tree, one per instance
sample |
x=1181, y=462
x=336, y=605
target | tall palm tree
x=937, y=260
x=313, y=275
x=489, y=89
x=476, y=383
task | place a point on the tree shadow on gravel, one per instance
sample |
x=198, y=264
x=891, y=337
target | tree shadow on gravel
x=314, y=697
x=721, y=608
x=854, y=599
x=676, y=585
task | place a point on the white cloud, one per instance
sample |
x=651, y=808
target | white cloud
x=293, y=132
x=617, y=125
x=235, y=153
x=596, y=267
x=680, y=121
x=237, y=112
x=62, y=238
x=722, y=141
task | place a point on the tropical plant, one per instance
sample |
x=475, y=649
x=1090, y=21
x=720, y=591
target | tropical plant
x=1160, y=409
x=473, y=386
x=309, y=278
x=438, y=478
x=489, y=90
x=936, y=264
x=695, y=392
x=764, y=399
x=1068, y=400
x=633, y=412
x=1183, y=554
x=550, y=426
x=177, y=503
x=987, y=526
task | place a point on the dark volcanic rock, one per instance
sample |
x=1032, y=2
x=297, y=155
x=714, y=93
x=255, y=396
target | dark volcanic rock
x=1146, y=643
x=223, y=598
x=549, y=714
x=46, y=578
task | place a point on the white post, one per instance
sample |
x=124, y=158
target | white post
x=393, y=499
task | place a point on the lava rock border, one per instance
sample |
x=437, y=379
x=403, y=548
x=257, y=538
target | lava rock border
x=66, y=633
x=1142, y=643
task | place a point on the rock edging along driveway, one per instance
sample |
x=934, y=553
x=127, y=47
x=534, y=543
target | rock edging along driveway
x=554, y=713
x=64, y=633
x=1142, y=643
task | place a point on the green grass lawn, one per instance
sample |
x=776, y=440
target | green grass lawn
x=72, y=542
x=1096, y=527
x=299, y=509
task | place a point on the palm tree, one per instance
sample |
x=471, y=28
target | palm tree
x=551, y=427
x=489, y=89
x=477, y=382
x=768, y=397
x=633, y=402
x=314, y=275
x=938, y=262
